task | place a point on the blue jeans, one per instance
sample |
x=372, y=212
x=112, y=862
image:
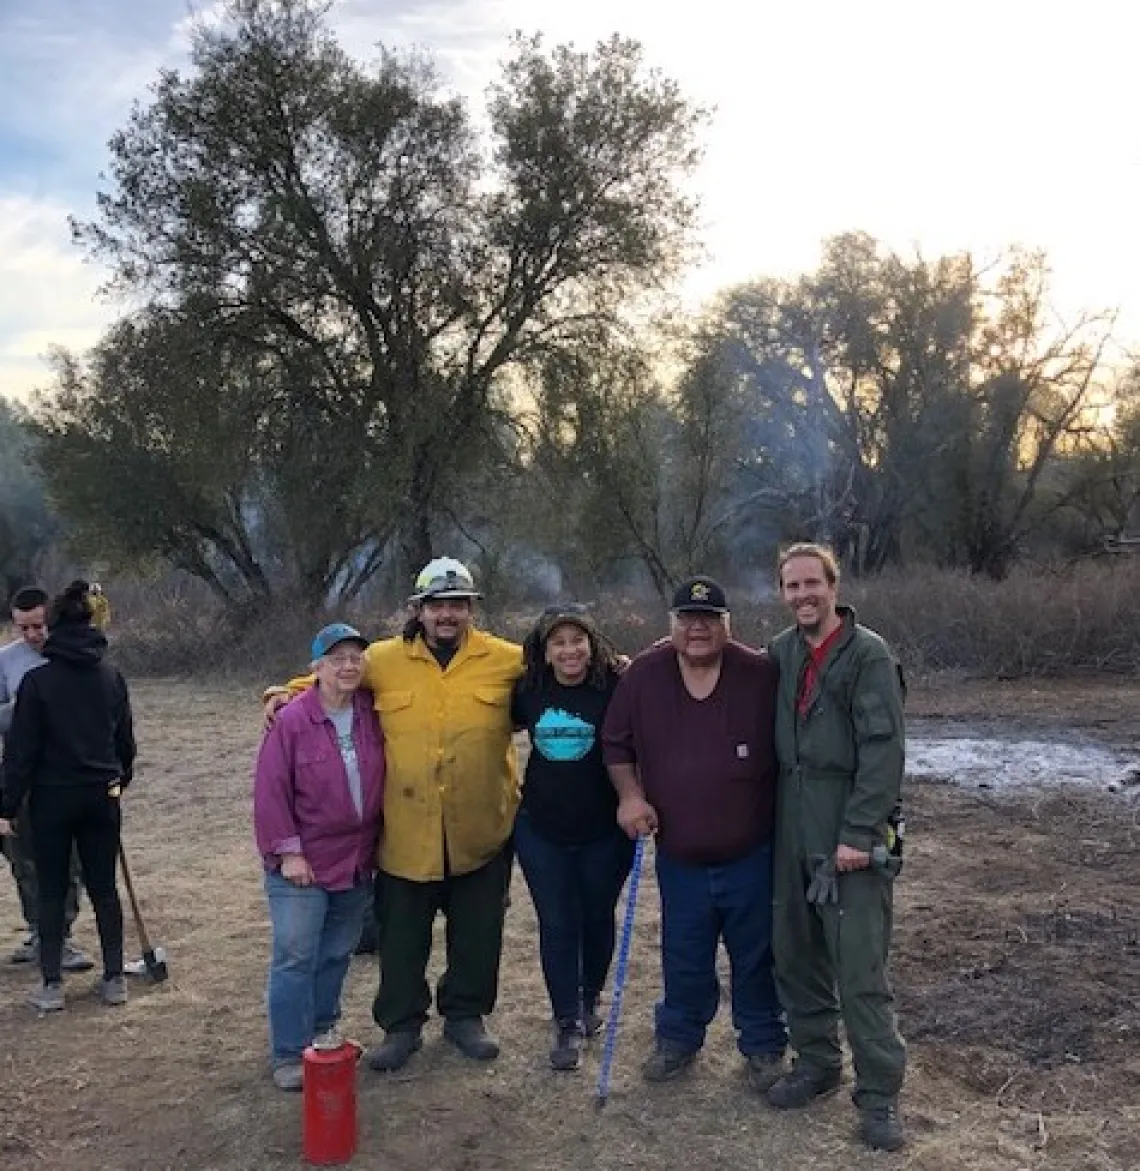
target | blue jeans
x=575, y=889
x=700, y=906
x=315, y=932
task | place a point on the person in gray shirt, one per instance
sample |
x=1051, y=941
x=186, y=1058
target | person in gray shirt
x=29, y=620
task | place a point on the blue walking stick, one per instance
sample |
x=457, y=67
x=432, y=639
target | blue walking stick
x=603, y=1091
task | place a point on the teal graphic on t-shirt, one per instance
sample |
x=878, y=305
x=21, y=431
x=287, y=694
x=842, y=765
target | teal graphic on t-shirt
x=561, y=736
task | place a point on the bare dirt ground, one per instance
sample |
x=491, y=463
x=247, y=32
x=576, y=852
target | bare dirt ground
x=1017, y=966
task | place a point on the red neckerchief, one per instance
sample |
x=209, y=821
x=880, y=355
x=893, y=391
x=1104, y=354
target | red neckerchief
x=810, y=680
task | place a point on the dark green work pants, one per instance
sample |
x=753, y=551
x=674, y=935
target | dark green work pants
x=831, y=963
x=474, y=906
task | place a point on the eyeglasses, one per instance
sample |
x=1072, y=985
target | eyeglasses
x=690, y=617
x=345, y=659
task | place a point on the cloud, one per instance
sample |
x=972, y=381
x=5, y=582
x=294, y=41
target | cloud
x=464, y=36
x=886, y=116
x=68, y=77
x=70, y=80
x=47, y=293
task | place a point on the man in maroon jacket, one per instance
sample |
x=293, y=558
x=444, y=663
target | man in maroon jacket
x=689, y=741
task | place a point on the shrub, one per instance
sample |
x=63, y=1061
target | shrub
x=1040, y=621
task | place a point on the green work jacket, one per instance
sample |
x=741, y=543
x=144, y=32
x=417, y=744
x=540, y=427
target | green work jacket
x=841, y=761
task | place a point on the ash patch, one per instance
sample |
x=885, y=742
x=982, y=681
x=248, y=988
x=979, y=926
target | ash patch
x=995, y=762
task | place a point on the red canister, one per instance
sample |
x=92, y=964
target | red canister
x=328, y=1136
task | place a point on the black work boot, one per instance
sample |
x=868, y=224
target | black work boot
x=592, y=1020
x=802, y=1085
x=764, y=1070
x=567, y=1051
x=394, y=1051
x=469, y=1035
x=668, y=1061
x=880, y=1127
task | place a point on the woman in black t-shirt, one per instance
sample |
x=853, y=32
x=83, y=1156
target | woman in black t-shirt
x=573, y=855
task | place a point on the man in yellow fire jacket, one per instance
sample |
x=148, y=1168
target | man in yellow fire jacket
x=443, y=695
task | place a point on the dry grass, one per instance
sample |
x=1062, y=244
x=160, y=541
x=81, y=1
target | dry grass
x=178, y=1079
x=1040, y=622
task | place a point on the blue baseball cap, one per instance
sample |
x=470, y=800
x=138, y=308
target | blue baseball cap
x=334, y=633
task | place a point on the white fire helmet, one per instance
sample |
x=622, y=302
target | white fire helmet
x=444, y=577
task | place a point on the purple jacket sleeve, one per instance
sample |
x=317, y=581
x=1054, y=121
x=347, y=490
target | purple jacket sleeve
x=274, y=823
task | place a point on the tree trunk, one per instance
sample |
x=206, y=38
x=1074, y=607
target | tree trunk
x=416, y=542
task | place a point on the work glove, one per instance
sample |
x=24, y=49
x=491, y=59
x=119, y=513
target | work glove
x=824, y=885
x=885, y=862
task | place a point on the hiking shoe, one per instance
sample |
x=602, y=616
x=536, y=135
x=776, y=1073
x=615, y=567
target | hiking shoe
x=668, y=1061
x=880, y=1127
x=289, y=1076
x=393, y=1052
x=592, y=1020
x=802, y=1085
x=48, y=999
x=75, y=959
x=28, y=952
x=325, y=1037
x=469, y=1035
x=567, y=1051
x=764, y=1070
x=113, y=990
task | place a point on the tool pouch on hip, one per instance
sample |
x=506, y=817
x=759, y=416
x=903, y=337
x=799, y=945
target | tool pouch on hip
x=887, y=859
x=896, y=832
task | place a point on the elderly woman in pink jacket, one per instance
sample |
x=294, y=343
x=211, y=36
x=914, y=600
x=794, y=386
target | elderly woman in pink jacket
x=318, y=792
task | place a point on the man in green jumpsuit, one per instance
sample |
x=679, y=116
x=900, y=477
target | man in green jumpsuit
x=839, y=740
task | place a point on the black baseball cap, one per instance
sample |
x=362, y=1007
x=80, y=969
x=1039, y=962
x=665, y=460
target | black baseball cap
x=700, y=595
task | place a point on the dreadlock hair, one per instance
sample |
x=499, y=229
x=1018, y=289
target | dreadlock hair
x=538, y=673
x=72, y=606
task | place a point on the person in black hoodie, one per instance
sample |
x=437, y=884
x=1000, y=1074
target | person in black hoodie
x=71, y=749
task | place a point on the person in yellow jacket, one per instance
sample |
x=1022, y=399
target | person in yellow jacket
x=100, y=607
x=443, y=693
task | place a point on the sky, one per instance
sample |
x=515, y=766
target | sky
x=936, y=127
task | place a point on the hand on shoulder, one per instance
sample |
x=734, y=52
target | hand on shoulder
x=275, y=699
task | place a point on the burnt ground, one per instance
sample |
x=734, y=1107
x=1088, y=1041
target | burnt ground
x=1016, y=963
